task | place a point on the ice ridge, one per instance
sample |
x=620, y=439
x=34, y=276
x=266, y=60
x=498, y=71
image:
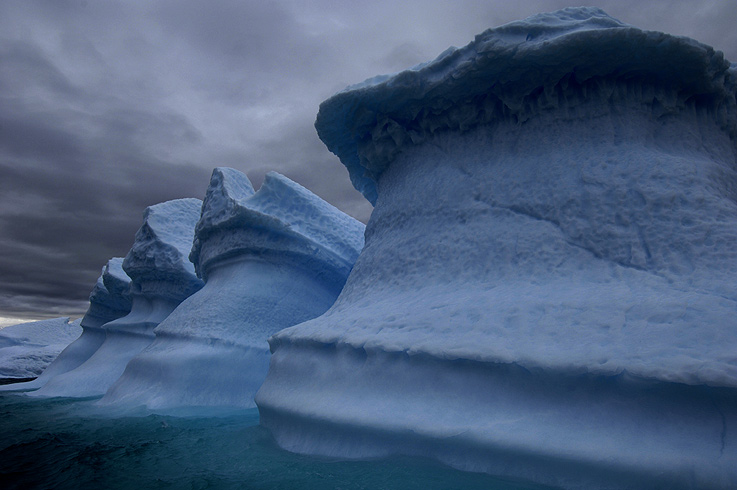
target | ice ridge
x=282, y=218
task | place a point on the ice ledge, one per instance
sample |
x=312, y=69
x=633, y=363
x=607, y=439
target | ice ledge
x=573, y=431
x=570, y=329
x=110, y=298
x=515, y=71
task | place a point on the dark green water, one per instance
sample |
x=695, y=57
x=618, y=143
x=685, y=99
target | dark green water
x=61, y=443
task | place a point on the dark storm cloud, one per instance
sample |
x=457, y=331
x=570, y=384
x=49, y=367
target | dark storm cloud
x=108, y=107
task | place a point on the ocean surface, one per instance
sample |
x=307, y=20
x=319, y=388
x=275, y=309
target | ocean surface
x=64, y=443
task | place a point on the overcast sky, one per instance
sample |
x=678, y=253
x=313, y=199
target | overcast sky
x=107, y=107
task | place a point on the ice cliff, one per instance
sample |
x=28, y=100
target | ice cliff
x=547, y=289
x=270, y=259
x=161, y=277
x=26, y=349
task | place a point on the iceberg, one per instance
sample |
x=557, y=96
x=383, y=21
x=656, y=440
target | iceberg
x=547, y=289
x=109, y=300
x=27, y=348
x=270, y=259
x=161, y=278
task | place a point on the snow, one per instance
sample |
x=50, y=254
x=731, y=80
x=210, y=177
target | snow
x=161, y=278
x=271, y=259
x=547, y=285
x=26, y=349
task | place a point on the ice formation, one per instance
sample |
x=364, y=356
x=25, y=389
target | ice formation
x=270, y=259
x=547, y=289
x=26, y=349
x=161, y=278
x=109, y=300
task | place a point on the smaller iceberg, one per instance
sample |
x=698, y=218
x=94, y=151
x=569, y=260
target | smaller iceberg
x=270, y=259
x=161, y=277
x=26, y=349
x=109, y=300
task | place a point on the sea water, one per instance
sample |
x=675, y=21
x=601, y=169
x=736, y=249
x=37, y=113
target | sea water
x=65, y=443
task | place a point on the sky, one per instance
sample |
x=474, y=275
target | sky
x=107, y=107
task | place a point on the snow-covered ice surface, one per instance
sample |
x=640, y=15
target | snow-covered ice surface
x=271, y=259
x=26, y=349
x=547, y=288
x=109, y=300
x=161, y=277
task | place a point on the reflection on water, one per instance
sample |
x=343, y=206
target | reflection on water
x=62, y=443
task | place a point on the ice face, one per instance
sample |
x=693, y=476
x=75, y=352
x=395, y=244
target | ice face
x=26, y=349
x=161, y=277
x=548, y=270
x=271, y=259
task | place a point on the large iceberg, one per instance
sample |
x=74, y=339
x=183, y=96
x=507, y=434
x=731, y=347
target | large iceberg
x=28, y=348
x=109, y=300
x=547, y=289
x=269, y=259
x=161, y=278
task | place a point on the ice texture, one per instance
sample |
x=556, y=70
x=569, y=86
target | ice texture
x=26, y=349
x=270, y=259
x=161, y=277
x=547, y=289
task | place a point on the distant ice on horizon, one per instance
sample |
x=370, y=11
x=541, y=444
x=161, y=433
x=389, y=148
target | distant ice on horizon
x=28, y=348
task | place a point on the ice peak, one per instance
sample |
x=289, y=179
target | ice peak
x=220, y=209
x=513, y=72
x=162, y=245
x=302, y=212
x=117, y=282
x=282, y=215
x=228, y=188
x=110, y=298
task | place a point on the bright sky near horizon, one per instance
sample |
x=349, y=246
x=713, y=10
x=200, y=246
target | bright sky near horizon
x=108, y=107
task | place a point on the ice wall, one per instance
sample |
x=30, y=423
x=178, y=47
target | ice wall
x=270, y=259
x=28, y=348
x=109, y=300
x=161, y=278
x=547, y=286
